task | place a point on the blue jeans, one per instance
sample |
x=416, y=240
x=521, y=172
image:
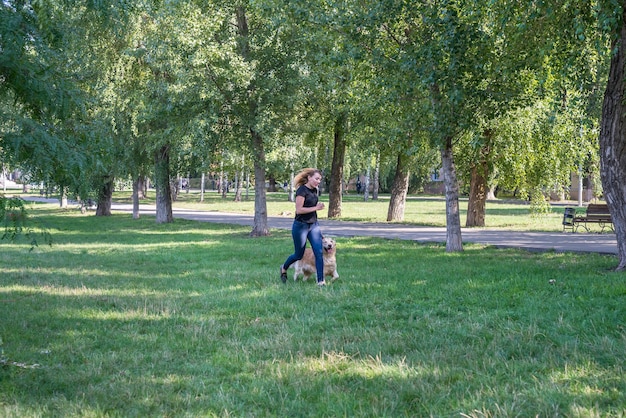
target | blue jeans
x=301, y=231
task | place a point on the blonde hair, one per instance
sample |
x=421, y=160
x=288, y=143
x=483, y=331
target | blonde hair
x=303, y=176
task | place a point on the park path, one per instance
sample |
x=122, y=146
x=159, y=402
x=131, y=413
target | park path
x=532, y=241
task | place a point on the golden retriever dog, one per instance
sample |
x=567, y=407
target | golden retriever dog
x=306, y=266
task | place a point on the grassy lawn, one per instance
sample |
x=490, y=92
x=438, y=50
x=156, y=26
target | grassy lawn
x=128, y=318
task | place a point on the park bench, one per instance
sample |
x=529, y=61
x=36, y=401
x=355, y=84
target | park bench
x=595, y=214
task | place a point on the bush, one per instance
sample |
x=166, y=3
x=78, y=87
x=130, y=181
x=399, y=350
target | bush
x=16, y=222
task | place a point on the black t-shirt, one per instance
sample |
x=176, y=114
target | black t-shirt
x=310, y=201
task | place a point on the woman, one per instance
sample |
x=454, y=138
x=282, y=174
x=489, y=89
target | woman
x=305, y=226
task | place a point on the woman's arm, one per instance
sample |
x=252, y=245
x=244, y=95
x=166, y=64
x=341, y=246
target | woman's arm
x=301, y=210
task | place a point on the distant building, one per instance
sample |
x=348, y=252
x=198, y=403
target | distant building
x=588, y=188
x=435, y=184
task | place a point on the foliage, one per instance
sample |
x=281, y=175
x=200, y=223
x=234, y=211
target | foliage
x=50, y=131
x=539, y=205
x=16, y=223
x=90, y=90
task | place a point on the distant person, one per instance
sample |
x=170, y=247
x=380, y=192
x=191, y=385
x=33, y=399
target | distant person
x=305, y=226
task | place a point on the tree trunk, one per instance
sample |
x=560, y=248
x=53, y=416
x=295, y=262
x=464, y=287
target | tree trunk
x=613, y=143
x=239, y=180
x=260, y=227
x=163, y=186
x=63, y=197
x=292, y=193
x=137, y=184
x=376, y=185
x=477, y=196
x=454, y=242
x=247, y=184
x=399, y=190
x=141, y=187
x=272, y=184
x=336, y=175
x=105, y=196
x=225, y=184
x=238, y=185
x=202, y=187
x=174, y=189
x=366, y=191
x=478, y=183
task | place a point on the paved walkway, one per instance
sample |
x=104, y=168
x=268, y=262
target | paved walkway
x=531, y=241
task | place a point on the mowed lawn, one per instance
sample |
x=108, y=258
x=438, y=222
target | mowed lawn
x=123, y=317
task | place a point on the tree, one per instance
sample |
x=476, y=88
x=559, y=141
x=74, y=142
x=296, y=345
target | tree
x=260, y=226
x=331, y=65
x=264, y=84
x=39, y=104
x=442, y=47
x=613, y=132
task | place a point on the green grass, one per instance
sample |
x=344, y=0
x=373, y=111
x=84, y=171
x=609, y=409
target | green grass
x=123, y=317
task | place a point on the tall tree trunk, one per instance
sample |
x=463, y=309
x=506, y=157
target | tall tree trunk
x=225, y=184
x=613, y=143
x=478, y=183
x=478, y=195
x=163, y=186
x=174, y=187
x=137, y=184
x=399, y=190
x=238, y=184
x=366, y=191
x=454, y=242
x=336, y=175
x=247, y=184
x=292, y=197
x=260, y=227
x=63, y=197
x=202, y=187
x=105, y=196
x=146, y=186
x=272, y=184
x=141, y=186
x=376, y=185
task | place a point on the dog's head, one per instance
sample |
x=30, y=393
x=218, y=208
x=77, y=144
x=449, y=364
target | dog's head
x=328, y=244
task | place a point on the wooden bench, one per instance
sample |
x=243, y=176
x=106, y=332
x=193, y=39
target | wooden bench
x=595, y=214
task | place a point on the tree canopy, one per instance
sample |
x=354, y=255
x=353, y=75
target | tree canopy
x=501, y=94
